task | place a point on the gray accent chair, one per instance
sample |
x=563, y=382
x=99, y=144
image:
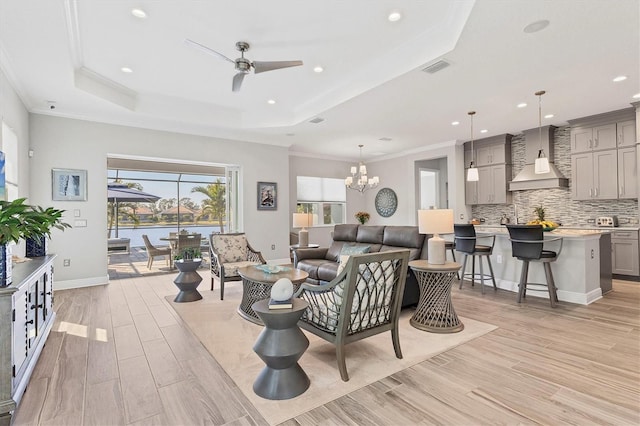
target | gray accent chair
x=363, y=300
x=153, y=251
x=228, y=253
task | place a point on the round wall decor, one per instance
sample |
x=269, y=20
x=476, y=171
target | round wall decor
x=386, y=202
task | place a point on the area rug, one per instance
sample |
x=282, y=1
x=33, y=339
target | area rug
x=230, y=338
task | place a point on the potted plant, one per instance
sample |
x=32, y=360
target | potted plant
x=21, y=221
x=362, y=217
x=187, y=262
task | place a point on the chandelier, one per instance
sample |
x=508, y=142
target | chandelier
x=358, y=179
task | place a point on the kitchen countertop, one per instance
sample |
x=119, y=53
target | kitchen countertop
x=580, y=228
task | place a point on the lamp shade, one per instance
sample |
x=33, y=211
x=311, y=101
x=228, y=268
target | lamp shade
x=435, y=221
x=541, y=165
x=472, y=175
x=302, y=220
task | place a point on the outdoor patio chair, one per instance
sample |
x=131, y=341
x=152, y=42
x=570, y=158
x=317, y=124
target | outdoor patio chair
x=153, y=251
x=228, y=253
x=363, y=300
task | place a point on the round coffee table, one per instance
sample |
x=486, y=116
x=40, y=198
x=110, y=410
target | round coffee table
x=256, y=285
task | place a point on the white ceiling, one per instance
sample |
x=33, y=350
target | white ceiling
x=373, y=85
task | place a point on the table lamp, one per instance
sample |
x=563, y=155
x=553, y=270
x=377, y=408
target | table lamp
x=302, y=220
x=436, y=221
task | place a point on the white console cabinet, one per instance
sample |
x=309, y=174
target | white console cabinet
x=26, y=318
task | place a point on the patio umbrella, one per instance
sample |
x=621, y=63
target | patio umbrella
x=117, y=192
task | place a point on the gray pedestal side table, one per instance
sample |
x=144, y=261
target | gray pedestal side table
x=435, y=311
x=280, y=345
x=256, y=285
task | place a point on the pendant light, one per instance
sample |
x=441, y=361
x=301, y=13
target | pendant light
x=542, y=162
x=472, y=173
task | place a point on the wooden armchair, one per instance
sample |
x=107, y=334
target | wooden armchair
x=363, y=300
x=229, y=252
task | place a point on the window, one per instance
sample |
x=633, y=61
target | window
x=325, y=198
x=10, y=150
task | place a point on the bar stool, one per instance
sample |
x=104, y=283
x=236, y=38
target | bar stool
x=527, y=244
x=451, y=245
x=465, y=243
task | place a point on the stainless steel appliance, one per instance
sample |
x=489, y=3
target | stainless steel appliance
x=607, y=221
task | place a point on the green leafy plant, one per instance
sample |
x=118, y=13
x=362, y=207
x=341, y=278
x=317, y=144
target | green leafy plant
x=362, y=217
x=189, y=253
x=19, y=220
x=540, y=212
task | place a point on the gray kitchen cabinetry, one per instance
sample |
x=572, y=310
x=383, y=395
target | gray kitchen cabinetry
x=626, y=133
x=26, y=318
x=593, y=138
x=627, y=173
x=493, y=159
x=594, y=175
x=603, y=161
x=625, y=251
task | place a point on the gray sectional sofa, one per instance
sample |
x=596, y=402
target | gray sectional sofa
x=322, y=263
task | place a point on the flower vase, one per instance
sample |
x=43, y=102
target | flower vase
x=188, y=280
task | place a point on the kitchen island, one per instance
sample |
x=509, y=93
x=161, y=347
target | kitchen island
x=582, y=272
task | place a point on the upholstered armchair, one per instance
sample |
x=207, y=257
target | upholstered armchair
x=363, y=300
x=229, y=252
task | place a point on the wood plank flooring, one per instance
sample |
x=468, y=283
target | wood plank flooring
x=119, y=355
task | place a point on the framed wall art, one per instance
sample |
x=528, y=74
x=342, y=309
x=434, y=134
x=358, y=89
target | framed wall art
x=267, y=196
x=68, y=185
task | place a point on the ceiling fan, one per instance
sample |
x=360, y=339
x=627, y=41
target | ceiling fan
x=242, y=64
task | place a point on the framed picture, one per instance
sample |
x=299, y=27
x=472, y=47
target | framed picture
x=68, y=185
x=267, y=196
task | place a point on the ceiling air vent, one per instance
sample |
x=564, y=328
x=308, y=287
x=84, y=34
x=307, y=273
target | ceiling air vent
x=436, y=66
x=385, y=139
x=316, y=120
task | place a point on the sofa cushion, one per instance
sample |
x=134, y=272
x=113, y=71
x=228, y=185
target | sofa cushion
x=345, y=232
x=370, y=234
x=403, y=236
x=414, y=253
x=333, y=254
x=328, y=271
x=231, y=248
x=310, y=266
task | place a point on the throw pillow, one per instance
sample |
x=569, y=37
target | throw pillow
x=347, y=251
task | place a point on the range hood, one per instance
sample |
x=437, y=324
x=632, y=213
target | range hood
x=527, y=178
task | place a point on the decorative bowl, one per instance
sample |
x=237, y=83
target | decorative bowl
x=272, y=269
x=549, y=228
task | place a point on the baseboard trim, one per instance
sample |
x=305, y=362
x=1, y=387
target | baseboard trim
x=84, y=282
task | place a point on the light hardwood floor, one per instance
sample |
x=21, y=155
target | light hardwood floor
x=119, y=355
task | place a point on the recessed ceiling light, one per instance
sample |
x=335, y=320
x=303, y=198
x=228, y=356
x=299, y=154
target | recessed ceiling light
x=536, y=26
x=126, y=70
x=139, y=13
x=548, y=116
x=620, y=78
x=318, y=68
x=483, y=131
x=271, y=102
x=636, y=96
x=522, y=105
x=394, y=16
x=455, y=123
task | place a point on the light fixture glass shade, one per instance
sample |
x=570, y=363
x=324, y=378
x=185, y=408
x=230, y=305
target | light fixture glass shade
x=436, y=221
x=541, y=165
x=472, y=175
x=359, y=179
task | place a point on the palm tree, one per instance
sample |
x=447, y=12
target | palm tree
x=214, y=205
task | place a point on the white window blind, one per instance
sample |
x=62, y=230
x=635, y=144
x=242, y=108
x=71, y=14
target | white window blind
x=321, y=189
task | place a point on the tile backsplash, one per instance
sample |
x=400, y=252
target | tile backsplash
x=557, y=202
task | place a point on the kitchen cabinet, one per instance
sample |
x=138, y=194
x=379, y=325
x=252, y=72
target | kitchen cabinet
x=493, y=159
x=26, y=318
x=594, y=176
x=626, y=133
x=625, y=251
x=493, y=187
x=627, y=173
x=594, y=138
x=470, y=190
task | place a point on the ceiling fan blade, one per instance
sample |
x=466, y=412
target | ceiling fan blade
x=205, y=49
x=259, y=66
x=237, y=81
